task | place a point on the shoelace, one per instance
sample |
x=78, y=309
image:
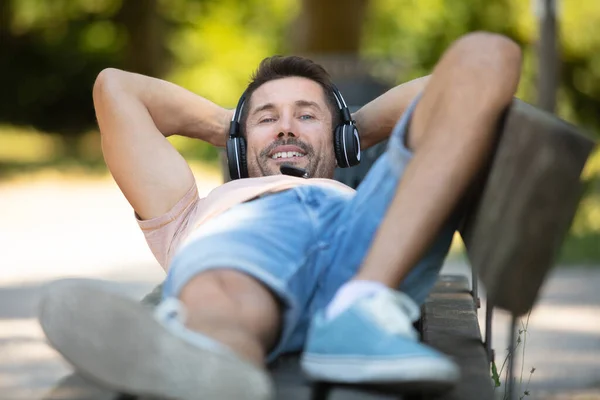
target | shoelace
x=394, y=312
x=170, y=310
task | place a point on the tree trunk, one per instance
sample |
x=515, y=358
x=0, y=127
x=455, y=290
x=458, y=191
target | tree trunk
x=548, y=56
x=145, y=52
x=328, y=27
x=5, y=20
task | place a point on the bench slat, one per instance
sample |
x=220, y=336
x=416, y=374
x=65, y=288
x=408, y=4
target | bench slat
x=291, y=384
x=450, y=325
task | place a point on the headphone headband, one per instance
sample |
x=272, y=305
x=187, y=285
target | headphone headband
x=234, y=126
x=346, y=117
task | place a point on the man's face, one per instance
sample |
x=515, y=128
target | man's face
x=289, y=122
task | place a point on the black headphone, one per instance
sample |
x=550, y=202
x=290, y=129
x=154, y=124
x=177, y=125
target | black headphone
x=346, y=142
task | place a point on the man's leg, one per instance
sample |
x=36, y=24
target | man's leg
x=451, y=134
x=410, y=222
x=239, y=287
x=234, y=309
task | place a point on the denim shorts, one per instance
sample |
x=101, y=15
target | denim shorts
x=305, y=242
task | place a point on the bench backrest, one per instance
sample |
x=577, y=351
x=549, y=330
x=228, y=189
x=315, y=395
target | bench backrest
x=520, y=211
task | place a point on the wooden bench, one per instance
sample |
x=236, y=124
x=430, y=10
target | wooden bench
x=516, y=217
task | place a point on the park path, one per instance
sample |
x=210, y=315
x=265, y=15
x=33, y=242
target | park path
x=54, y=228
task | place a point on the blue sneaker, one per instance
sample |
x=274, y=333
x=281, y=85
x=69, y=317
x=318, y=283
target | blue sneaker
x=374, y=342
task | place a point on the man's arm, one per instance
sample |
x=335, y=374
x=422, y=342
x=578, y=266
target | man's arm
x=377, y=118
x=135, y=114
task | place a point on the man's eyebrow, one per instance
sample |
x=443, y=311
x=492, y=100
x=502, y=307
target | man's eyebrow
x=300, y=103
x=307, y=103
x=267, y=106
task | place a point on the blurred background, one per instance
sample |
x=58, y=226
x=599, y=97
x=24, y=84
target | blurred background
x=51, y=52
x=62, y=215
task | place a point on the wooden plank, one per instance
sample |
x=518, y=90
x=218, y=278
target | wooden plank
x=450, y=325
x=290, y=384
x=289, y=379
x=526, y=205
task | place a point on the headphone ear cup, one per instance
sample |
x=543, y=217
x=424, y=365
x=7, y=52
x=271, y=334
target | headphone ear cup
x=338, y=146
x=232, y=158
x=352, y=144
x=236, y=157
x=243, y=163
x=346, y=146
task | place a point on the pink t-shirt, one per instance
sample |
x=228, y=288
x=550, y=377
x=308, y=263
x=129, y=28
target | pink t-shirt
x=166, y=233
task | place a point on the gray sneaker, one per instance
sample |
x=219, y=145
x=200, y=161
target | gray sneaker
x=117, y=342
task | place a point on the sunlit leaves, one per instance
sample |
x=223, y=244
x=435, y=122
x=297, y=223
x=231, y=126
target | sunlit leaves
x=218, y=47
x=38, y=15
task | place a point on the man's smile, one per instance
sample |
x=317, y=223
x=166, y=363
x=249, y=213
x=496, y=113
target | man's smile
x=287, y=153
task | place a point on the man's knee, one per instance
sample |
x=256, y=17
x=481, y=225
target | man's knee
x=219, y=285
x=491, y=61
x=230, y=291
x=488, y=50
x=203, y=289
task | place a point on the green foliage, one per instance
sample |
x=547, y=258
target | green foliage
x=52, y=52
x=218, y=44
x=54, y=49
x=414, y=33
x=496, y=375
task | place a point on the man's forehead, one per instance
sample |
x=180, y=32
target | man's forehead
x=287, y=91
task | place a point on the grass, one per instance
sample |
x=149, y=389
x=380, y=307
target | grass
x=520, y=390
x=26, y=154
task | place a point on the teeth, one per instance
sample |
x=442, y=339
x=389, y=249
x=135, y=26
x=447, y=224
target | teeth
x=288, y=154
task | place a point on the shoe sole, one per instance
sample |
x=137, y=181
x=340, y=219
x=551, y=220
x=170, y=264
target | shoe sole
x=414, y=373
x=116, y=342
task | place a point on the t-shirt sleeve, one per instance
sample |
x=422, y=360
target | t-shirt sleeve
x=164, y=232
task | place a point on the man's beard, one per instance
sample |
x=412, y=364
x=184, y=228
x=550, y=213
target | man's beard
x=315, y=167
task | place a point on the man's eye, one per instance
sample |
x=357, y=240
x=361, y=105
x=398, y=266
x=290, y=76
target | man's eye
x=306, y=116
x=266, y=120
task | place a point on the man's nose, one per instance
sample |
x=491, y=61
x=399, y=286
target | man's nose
x=284, y=134
x=285, y=128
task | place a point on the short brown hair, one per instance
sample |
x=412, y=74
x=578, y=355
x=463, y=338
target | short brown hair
x=277, y=67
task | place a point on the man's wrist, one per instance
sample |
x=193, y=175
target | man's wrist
x=362, y=129
x=213, y=130
x=220, y=138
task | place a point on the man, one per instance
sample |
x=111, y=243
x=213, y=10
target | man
x=274, y=263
